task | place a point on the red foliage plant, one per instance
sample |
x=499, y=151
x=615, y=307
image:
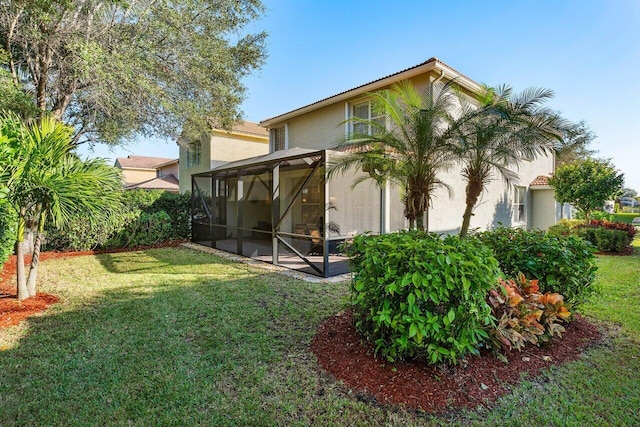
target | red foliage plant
x=524, y=314
x=630, y=229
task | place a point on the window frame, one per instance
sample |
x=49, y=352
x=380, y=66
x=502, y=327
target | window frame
x=194, y=154
x=350, y=108
x=519, y=215
x=273, y=138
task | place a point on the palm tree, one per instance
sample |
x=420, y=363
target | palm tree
x=412, y=150
x=46, y=180
x=498, y=133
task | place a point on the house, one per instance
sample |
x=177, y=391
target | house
x=149, y=173
x=246, y=139
x=282, y=208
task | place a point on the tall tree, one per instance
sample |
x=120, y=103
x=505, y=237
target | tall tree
x=497, y=133
x=113, y=68
x=46, y=181
x=575, y=143
x=587, y=184
x=412, y=150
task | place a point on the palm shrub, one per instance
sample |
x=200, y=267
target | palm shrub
x=562, y=264
x=415, y=295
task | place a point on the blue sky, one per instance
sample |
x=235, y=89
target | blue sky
x=587, y=52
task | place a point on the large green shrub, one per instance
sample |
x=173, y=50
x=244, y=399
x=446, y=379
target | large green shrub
x=8, y=224
x=606, y=240
x=563, y=264
x=415, y=295
x=143, y=218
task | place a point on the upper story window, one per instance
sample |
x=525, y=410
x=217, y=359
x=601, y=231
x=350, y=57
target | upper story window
x=193, y=154
x=279, y=139
x=519, y=212
x=363, y=110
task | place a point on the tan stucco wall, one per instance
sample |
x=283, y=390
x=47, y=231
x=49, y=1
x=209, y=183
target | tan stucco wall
x=323, y=128
x=496, y=202
x=219, y=148
x=544, y=209
x=171, y=169
x=134, y=176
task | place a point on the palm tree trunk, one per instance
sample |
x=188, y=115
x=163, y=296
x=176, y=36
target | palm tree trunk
x=473, y=191
x=20, y=272
x=35, y=257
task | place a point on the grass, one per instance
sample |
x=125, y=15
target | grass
x=177, y=337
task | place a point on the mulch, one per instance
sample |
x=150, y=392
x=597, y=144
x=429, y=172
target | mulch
x=438, y=389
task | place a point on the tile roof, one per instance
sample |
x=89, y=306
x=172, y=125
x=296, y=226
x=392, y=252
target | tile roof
x=251, y=128
x=145, y=162
x=167, y=182
x=540, y=180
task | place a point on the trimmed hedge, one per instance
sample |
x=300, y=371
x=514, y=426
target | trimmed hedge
x=562, y=264
x=415, y=295
x=143, y=218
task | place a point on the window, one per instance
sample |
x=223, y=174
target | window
x=363, y=110
x=279, y=139
x=519, y=214
x=193, y=154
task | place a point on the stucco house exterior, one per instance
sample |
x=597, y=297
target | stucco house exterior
x=149, y=173
x=246, y=139
x=282, y=207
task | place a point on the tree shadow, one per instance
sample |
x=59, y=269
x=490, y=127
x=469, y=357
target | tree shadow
x=177, y=352
x=502, y=214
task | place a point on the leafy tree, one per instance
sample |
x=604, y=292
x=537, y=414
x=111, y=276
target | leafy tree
x=113, y=68
x=497, y=133
x=15, y=98
x=575, y=144
x=46, y=181
x=628, y=192
x=587, y=184
x=412, y=151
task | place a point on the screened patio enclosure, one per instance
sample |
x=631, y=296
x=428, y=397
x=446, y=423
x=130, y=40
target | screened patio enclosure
x=282, y=209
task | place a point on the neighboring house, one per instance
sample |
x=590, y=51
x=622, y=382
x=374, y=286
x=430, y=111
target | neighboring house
x=246, y=139
x=282, y=208
x=149, y=173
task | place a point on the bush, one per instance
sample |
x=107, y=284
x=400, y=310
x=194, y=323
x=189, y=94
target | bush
x=415, y=295
x=525, y=315
x=8, y=229
x=604, y=239
x=563, y=264
x=628, y=229
x=144, y=218
x=565, y=227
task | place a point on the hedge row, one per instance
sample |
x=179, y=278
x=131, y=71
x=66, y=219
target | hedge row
x=144, y=218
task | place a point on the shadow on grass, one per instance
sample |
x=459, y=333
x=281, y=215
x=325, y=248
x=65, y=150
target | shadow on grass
x=211, y=353
x=160, y=261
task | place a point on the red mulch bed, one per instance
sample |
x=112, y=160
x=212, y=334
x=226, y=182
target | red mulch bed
x=13, y=311
x=624, y=252
x=437, y=389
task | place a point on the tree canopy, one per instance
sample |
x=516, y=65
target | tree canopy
x=113, y=69
x=574, y=145
x=587, y=184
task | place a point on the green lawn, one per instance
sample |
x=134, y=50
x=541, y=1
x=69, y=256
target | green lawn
x=177, y=337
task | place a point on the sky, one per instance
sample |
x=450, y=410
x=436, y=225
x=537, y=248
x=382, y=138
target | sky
x=587, y=52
